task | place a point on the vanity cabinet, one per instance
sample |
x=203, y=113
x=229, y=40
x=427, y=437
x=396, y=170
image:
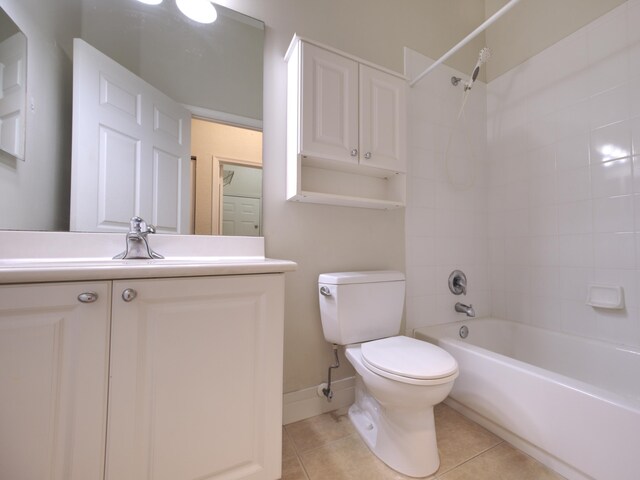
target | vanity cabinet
x=192, y=367
x=54, y=360
x=196, y=378
x=346, y=129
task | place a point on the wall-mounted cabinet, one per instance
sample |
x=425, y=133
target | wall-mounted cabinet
x=346, y=129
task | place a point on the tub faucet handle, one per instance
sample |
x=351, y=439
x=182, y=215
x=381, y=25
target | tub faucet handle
x=458, y=282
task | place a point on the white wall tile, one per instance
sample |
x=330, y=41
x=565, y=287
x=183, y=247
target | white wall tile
x=610, y=142
x=573, y=185
x=575, y=250
x=614, y=250
x=575, y=217
x=610, y=106
x=611, y=178
x=556, y=204
x=572, y=151
x=613, y=214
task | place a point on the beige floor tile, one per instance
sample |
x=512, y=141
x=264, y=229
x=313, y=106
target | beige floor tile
x=502, y=462
x=288, y=449
x=459, y=439
x=346, y=459
x=317, y=431
x=292, y=469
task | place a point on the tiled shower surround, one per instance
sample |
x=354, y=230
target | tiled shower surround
x=555, y=204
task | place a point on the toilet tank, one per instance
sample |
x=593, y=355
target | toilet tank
x=360, y=306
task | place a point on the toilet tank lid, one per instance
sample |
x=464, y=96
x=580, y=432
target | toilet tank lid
x=343, y=278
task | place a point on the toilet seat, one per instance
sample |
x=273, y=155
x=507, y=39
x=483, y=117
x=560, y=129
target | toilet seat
x=409, y=360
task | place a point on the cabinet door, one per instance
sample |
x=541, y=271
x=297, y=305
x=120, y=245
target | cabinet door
x=382, y=120
x=329, y=105
x=53, y=372
x=196, y=379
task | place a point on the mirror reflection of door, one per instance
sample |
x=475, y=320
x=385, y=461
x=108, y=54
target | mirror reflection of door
x=130, y=149
x=241, y=193
x=13, y=81
x=228, y=179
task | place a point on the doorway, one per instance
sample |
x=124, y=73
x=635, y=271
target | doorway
x=228, y=179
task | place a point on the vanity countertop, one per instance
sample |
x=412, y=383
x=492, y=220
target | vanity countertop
x=30, y=257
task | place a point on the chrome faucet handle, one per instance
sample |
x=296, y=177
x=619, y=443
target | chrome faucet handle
x=138, y=225
x=458, y=282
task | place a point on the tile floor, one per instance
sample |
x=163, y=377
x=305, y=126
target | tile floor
x=327, y=447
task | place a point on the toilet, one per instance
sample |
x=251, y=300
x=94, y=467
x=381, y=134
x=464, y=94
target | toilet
x=398, y=379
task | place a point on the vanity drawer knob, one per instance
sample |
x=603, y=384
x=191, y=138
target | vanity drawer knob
x=129, y=294
x=88, y=297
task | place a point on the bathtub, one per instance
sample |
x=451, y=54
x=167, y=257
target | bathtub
x=570, y=402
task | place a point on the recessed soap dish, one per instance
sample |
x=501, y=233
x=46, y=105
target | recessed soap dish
x=605, y=296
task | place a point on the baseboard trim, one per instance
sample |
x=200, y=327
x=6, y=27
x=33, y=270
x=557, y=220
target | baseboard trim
x=306, y=403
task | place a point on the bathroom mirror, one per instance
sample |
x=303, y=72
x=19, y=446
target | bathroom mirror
x=13, y=70
x=214, y=70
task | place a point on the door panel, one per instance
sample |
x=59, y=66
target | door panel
x=241, y=216
x=120, y=124
x=53, y=372
x=13, y=88
x=382, y=119
x=195, y=371
x=329, y=105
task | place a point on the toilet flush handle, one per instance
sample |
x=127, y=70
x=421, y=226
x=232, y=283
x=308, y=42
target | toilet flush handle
x=325, y=291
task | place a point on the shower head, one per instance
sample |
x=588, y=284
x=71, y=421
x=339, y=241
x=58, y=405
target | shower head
x=483, y=56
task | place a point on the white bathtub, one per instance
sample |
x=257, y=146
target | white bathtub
x=572, y=403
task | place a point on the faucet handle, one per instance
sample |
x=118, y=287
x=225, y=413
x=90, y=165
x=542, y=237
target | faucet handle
x=458, y=283
x=138, y=225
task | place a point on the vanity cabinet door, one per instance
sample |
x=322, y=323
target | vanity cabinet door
x=196, y=379
x=53, y=380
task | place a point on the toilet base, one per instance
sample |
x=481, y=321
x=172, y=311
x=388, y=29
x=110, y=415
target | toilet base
x=404, y=440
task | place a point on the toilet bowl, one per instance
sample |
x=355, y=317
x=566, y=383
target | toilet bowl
x=393, y=412
x=398, y=379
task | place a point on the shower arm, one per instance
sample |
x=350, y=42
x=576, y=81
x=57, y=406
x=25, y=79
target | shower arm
x=466, y=40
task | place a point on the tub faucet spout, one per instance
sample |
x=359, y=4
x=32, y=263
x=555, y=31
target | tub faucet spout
x=466, y=309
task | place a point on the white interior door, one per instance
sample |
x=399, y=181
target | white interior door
x=131, y=149
x=240, y=216
x=13, y=79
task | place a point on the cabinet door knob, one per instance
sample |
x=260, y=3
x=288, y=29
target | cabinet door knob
x=88, y=297
x=354, y=152
x=367, y=155
x=129, y=294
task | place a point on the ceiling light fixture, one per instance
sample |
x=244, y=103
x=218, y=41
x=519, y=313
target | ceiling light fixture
x=201, y=11
x=151, y=2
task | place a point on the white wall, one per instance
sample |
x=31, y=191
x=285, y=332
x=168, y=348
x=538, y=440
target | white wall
x=446, y=218
x=562, y=212
x=217, y=66
x=325, y=238
x=34, y=194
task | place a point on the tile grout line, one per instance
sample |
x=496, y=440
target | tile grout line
x=473, y=457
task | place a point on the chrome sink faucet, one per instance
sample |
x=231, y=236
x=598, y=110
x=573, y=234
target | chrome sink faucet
x=137, y=246
x=468, y=309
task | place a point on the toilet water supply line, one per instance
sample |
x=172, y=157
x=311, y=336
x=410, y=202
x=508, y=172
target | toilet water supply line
x=327, y=392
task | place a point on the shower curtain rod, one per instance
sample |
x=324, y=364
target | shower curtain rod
x=466, y=39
